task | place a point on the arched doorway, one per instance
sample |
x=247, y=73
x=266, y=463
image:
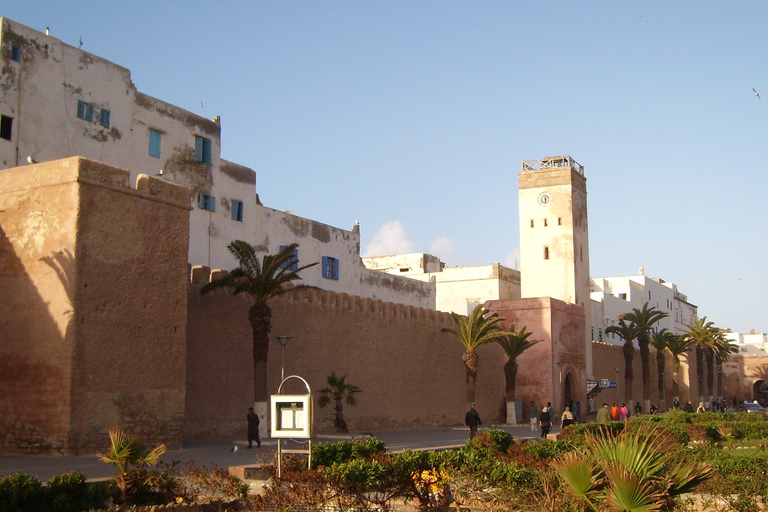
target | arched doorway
x=568, y=391
x=760, y=391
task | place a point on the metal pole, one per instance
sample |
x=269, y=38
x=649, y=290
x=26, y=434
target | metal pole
x=283, y=340
x=618, y=401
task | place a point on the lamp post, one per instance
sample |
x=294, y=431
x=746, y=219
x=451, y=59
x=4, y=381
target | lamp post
x=283, y=340
x=617, y=386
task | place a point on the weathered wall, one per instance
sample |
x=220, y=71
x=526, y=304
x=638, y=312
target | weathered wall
x=411, y=374
x=95, y=335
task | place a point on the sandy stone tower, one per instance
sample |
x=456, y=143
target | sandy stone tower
x=554, y=242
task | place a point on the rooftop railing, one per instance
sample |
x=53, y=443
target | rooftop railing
x=553, y=162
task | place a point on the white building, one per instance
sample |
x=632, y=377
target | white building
x=752, y=344
x=458, y=289
x=57, y=101
x=613, y=296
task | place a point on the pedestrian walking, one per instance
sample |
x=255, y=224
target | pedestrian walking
x=688, y=407
x=604, y=414
x=545, y=422
x=472, y=420
x=533, y=411
x=623, y=412
x=253, y=428
x=615, y=412
x=567, y=417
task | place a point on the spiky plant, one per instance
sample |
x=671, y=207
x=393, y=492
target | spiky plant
x=340, y=392
x=128, y=454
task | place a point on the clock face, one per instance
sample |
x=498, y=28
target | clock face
x=545, y=199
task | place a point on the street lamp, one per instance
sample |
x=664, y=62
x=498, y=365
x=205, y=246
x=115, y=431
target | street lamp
x=283, y=340
x=617, y=386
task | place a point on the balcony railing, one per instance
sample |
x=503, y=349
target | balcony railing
x=553, y=162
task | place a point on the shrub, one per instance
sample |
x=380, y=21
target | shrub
x=20, y=492
x=326, y=454
x=71, y=493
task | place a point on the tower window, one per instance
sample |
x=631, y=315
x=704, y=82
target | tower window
x=559, y=221
x=531, y=222
x=545, y=223
x=6, y=127
x=546, y=252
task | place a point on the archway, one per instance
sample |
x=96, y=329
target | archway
x=568, y=391
x=760, y=391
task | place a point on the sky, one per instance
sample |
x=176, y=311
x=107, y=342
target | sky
x=413, y=117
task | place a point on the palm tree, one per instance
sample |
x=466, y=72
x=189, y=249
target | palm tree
x=677, y=345
x=660, y=341
x=339, y=391
x=127, y=452
x=701, y=333
x=473, y=331
x=627, y=332
x=645, y=319
x=628, y=472
x=514, y=344
x=262, y=281
x=723, y=349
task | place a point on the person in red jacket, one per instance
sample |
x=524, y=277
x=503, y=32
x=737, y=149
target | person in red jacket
x=615, y=412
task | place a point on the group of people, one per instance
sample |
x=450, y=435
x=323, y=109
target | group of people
x=543, y=420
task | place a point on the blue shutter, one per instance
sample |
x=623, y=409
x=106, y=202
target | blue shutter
x=155, y=139
x=325, y=268
x=206, y=151
x=104, y=116
x=237, y=210
x=198, y=149
x=336, y=269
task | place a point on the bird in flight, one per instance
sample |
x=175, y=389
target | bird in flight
x=756, y=93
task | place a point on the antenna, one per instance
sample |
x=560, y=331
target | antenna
x=203, y=108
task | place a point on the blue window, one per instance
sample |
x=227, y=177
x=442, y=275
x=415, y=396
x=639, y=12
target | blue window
x=154, y=142
x=84, y=111
x=15, y=53
x=330, y=268
x=294, y=263
x=237, y=210
x=207, y=202
x=104, y=117
x=202, y=150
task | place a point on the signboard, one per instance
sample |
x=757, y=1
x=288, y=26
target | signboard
x=291, y=416
x=607, y=384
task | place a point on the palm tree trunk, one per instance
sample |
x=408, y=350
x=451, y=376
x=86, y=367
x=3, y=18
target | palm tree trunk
x=700, y=372
x=260, y=316
x=645, y=363
x=660, y=366
x=710, y=373
x=628, y=349
x=471, y=362
x=676, y=379
x=510, y=375
x=719, y=379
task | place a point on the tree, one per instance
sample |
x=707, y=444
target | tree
x=472, y=331
x=677, y=345
x=660, y=341
x=129, y=455
x=645, y=319
x=514, y=344
x=339, y=391
x=723, y=349
x=627, y=332
x=701, y=334
x=629, y=472
x=262, y=281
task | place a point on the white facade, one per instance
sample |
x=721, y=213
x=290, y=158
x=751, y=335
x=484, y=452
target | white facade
x=458, y=289
x=753, y=344
x=57, y=101
x=614, y=296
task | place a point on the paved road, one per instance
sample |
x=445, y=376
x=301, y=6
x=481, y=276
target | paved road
x=218, y=452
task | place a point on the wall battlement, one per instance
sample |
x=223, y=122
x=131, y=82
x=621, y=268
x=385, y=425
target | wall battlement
x=329, y=301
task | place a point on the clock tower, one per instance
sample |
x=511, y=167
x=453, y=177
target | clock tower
x=554, y=243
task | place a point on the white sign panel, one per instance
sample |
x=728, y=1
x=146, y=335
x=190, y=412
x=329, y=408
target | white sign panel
x=291, y=416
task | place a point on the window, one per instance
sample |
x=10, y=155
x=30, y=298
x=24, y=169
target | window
x=545, y=223
x=15, y=53
x=623, y=296
x=237, y=210
x=154, y=142
x=559, y=221
x=84, y=111
x=202, y=150
x=207, y=202
x=330, y=268
x=599, y=335
x=471, y=306
x=294, y=263
x=546, y=252
x=6, y=127
x=104, y=116
x=531, y=222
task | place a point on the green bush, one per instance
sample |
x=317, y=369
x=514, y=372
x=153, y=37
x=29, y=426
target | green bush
x=326, y=454
x=20, y=492
x=71, y=493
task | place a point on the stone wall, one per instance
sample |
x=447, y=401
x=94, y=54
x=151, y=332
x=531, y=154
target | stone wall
x=410, y=373
x=94, y=331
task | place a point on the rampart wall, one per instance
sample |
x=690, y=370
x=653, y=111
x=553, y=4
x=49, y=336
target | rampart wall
x=93, y=323
x=411, y=374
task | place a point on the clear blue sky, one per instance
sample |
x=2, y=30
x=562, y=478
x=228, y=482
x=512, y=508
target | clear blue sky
x=412, y=117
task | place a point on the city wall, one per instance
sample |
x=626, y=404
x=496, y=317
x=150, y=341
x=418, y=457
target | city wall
x=410, y=373
x=93, y=323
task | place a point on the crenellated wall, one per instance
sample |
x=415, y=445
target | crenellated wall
x=411, y=373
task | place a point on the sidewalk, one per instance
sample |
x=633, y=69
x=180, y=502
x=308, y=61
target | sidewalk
x=219, y=451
